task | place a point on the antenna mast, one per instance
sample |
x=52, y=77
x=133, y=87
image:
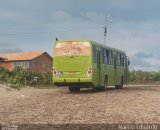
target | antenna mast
x=105, y=30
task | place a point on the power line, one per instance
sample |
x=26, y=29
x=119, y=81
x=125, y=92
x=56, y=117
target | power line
x=138, y=29
x=35, y=33
x=7, y=34
x=73, y=29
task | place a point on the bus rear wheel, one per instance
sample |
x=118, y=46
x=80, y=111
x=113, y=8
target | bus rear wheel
x=121, y=85
x=104, y=87
x=74, y=89
x=105, y=83
x=99, y=88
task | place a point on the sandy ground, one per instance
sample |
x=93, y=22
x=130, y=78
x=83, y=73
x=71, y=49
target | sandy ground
x=132, y=104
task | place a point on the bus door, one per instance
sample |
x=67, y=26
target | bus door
x=115, y=69
x=98, y=67
x=127, y=63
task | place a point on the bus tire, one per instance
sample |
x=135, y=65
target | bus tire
x=105, y=82
x=104, y=87
x=99, y=88
x=74, y=89
x=121, y=85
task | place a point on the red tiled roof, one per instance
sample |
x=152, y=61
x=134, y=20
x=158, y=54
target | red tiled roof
x=21, y=56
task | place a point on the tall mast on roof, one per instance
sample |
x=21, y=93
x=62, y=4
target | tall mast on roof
x=105, y=29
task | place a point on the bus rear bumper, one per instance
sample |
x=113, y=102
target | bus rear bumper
x=72, y=81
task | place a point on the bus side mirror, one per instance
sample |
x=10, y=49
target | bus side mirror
x=128, y=62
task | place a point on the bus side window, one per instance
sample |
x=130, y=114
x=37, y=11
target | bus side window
x=122, y=60
x=103, y=55
x=110, y=57
x=118, y=59
x=94, y=54
x=107, y=56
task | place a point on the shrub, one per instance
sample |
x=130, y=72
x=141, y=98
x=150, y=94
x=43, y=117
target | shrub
x=4, y=74
x=138, y=75
x=21, y=77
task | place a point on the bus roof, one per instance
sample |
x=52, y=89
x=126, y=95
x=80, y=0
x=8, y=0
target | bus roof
x=94, y=43
x=107, y=47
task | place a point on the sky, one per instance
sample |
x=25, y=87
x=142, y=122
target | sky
x=133, y=26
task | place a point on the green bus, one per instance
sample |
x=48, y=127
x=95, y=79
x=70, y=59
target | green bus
x=85, y=63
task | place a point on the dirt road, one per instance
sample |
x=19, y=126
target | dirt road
x=132, y=104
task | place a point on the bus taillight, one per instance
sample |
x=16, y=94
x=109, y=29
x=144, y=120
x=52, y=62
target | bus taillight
x=89, y=72
x=54, y=71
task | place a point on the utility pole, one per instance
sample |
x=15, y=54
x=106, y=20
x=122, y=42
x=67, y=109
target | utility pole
x=105, y=30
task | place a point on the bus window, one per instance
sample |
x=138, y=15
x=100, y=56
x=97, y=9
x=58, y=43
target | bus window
x=107, y=56
x=103, y=55
x=110, y=57
x=122, y=60
x=118, y=59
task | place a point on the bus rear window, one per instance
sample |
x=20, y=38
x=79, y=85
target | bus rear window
x=73, y=49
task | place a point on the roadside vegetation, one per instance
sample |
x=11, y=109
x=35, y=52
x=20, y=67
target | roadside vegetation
x=138, y=76
x=20, y=77
x=24, y=77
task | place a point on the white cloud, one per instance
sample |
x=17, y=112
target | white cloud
x=9, y=48
x=135, y=25
x=94, y=16
x=60, y=16
x=136, y=38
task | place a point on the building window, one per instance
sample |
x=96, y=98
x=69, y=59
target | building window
x=32, y=64
x=43, y=64
x=23, y=64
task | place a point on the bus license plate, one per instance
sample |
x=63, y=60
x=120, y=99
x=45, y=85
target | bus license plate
x=72, y=73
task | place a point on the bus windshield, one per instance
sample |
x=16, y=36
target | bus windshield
x=73, y=49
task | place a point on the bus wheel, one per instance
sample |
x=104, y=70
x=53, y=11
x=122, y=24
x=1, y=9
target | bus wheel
x=102, y=88
x=105, y=83
x=121, y=85
x=74, y=89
